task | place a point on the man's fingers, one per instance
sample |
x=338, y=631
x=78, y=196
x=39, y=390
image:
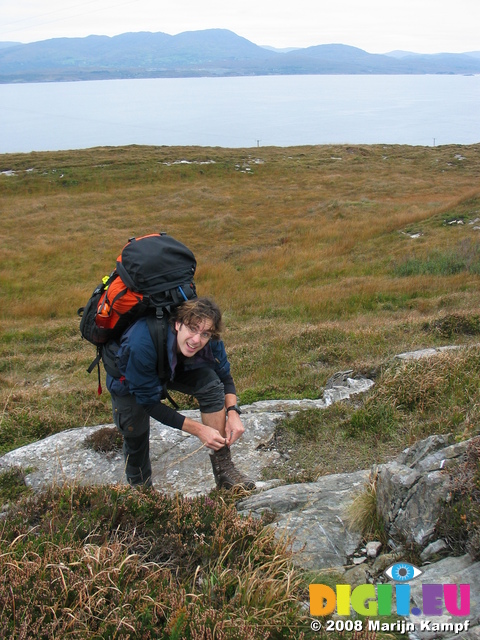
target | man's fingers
x=219, y=441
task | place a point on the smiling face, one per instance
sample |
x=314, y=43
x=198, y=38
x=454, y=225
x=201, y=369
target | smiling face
x=191, y=339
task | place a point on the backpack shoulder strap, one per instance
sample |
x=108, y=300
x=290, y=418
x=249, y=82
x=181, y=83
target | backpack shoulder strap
x=157, y=326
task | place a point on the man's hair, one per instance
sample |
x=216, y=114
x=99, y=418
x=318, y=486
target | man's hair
x=193, y=312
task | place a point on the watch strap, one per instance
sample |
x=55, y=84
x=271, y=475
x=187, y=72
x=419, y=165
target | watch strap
x=234, y=407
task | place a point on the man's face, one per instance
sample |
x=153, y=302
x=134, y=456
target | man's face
x=191, y=339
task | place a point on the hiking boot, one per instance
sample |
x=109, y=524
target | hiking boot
x=226, y=474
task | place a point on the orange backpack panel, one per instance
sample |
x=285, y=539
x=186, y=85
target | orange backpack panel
x=116, y=301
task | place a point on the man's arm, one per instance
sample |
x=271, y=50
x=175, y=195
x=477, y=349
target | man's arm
x=234, y=426
x=210, y=437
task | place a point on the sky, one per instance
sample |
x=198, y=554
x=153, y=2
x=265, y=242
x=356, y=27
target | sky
x=377, y=26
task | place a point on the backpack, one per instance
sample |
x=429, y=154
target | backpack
x=153, y=275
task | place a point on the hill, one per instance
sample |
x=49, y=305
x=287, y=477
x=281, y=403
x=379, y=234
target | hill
x=211, y=52
x=325, y=258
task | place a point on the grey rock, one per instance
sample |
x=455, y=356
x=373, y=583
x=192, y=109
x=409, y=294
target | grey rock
x=472, y=634
x=428, y=353
x=348, y=387
x=422, y=449
x=416, y=355
x=373, y=548
x=425, y=353
x=339, y=379
x=62, y=458
x=355, y=576
x=434, y=548
x=403, y=485
x=409, y=490
x=384, y=561
x=179, y=462
x=313, y=515
x=448, y=571
x=333, y=393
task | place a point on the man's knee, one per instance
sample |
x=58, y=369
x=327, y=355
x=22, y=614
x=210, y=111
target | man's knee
x=211, y=397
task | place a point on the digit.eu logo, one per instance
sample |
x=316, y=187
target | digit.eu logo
x=376, y=600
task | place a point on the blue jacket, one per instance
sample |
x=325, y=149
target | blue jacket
x=137, y=363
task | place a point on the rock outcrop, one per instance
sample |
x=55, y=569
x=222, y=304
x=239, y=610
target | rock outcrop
x=457, y=571
x=179, y=462
x=410, y=490
x=313, y=515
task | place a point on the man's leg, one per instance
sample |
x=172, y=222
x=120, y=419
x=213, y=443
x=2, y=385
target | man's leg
x=207, y=388
x=133, y=422
x=216, y=420
x=204, y=385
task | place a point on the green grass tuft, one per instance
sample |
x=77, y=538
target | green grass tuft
x=109, y=561
x=12, y=485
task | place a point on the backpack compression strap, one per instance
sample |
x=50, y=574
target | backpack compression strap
x=96, y=363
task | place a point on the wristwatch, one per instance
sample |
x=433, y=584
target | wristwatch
x=234, y=407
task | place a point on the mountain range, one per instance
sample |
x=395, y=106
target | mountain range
x=210, y=52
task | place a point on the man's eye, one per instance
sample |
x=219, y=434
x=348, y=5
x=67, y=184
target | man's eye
x=403, y=572
x=205, y=336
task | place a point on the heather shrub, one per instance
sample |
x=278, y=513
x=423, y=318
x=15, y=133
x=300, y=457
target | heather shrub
x=108, y=562
x=459, y=523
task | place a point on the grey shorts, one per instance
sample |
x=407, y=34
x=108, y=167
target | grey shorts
x=204, y=385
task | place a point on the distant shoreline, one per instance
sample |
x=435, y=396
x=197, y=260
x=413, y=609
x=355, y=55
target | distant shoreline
x=209, y=53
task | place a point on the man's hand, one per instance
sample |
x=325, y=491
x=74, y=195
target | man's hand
x=234, y=427
x=208, y=436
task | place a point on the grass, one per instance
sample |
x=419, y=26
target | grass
x=12, y=485
x=411, y=400
x=362, y=513
x=112, y=563
x=324, y=259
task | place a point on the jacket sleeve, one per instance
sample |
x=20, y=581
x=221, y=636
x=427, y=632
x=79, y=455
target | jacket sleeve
x=166, y=415
x=138, y=364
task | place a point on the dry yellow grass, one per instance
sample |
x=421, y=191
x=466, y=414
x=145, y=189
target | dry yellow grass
x=347, y=246
x=301, y=215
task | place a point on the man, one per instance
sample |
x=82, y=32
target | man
x=197, y=366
